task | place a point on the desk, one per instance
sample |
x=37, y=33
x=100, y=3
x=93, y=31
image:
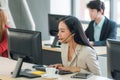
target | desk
x=99, y=49
x=8, y=65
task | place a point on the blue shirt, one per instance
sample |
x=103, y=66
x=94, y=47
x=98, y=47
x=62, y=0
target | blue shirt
x=98, y=28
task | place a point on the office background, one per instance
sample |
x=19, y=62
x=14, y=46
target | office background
x=29, y=14
x=33, y=14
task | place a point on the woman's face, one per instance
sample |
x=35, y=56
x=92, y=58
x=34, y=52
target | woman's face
x=64, y=35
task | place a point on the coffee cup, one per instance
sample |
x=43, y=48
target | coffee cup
x=51, y=71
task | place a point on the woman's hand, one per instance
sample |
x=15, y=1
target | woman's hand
x=56, y=65
x=91, y=43
x=70, y=68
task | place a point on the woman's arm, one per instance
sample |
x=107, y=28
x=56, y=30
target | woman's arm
x=92, y=63
x=56, y=65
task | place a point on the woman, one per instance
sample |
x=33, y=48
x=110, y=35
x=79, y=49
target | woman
x=76, y=52
x=3, y=34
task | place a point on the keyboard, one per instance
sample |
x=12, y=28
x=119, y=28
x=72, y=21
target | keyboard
x=40, y=68
x=62, y=72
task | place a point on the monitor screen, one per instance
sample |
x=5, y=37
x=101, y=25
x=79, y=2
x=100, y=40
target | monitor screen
x=113, y=58
x=53, y=27
x=24, y=46
x=53, y=23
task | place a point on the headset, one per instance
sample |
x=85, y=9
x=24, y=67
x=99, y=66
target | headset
x=68, y=37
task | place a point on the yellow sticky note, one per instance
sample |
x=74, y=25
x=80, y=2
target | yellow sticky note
x=38, y=72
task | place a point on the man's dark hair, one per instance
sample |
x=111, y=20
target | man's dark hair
x=96, y=4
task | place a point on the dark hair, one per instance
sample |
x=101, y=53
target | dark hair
x=96, y=4
x=75, y=27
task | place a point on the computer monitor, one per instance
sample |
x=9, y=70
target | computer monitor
x=24, y=46
x=113, y=58
x=53, y=27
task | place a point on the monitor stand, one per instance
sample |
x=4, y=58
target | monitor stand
x=19, y=73
x=55, y=43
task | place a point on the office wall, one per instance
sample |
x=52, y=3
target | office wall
x=39, y=10
x=16, y=10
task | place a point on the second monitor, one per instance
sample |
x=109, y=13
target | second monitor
x=113, y=58
x=53, y=20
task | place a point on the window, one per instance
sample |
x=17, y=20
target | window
x=81, y=11
x=60, y=7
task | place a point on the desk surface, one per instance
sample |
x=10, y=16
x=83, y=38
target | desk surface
x=8, y=65
x=100, y=49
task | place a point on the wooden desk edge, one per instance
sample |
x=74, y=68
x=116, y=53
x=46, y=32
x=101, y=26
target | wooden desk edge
x=100, y=50
x=51, y=49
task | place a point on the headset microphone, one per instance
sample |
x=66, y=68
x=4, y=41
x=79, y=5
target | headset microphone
x=67, y=37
